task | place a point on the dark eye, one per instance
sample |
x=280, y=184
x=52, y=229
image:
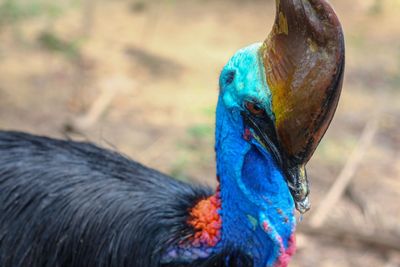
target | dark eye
x=254, y=109
x=229, y=76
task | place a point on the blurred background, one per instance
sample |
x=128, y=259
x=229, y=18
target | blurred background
x=142, y=77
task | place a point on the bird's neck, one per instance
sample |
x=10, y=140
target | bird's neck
x=257, y=210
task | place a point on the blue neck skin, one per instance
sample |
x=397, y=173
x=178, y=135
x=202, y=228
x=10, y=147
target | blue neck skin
x=257, y=208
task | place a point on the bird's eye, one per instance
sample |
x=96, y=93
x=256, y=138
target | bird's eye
x=254, y=109
x=229, y=77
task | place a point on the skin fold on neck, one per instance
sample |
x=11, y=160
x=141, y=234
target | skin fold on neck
x=257, y=210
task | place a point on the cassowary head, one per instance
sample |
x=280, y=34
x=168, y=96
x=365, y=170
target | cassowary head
x=276, y=101
x=285, y=91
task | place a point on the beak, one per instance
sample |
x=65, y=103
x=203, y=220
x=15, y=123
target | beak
x=298, y=185
x=304, y=59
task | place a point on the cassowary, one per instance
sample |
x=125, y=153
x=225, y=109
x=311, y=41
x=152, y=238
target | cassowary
x=66, y=203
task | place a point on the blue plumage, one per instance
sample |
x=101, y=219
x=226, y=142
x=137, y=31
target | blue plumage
x=253, y=189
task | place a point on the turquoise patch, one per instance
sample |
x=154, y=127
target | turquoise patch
x=243, y=79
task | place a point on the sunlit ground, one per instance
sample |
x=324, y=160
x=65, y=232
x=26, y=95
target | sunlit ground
x=142, y=76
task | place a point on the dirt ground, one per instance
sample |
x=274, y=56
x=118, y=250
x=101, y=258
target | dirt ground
x=142, y=77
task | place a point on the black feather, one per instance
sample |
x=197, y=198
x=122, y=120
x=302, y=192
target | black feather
x=66, y=203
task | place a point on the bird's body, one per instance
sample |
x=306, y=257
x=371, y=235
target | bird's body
x=70, y=204
x=65, y=203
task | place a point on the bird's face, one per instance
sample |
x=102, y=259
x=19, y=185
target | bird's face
x=285, y=90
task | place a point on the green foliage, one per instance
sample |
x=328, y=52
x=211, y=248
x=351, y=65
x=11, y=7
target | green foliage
x=193, y=152
x=356, y=40
x=336, y=151
x=55, y=44
x=179, y=167
x=200, y=131
x=12, y=11
x=139, y=6
x=376, y=8
x=395, y=79
x=209, y=112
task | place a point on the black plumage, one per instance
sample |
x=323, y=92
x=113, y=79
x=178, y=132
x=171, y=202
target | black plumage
x=66, y=203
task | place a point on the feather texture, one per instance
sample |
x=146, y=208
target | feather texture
x=65, y=203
